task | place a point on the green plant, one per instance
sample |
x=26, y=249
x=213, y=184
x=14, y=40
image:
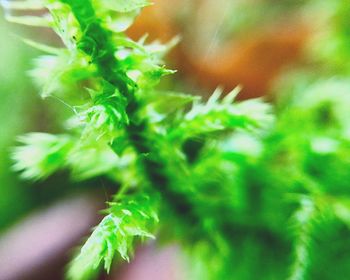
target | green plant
x=216, y=176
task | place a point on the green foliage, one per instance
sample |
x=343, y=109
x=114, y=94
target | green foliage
x=41, y=155
x=127, y=219
x=124, y=7
x=221, y=115
x=245, y=195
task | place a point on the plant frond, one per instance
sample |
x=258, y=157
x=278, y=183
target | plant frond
x=134, y=217
x=41, y=154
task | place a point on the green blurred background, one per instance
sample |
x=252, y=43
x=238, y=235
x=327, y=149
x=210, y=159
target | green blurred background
x=17, y=114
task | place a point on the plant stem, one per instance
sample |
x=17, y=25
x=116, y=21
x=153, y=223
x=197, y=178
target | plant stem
x=96, y=42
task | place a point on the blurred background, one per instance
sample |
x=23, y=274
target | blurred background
x=252, y=43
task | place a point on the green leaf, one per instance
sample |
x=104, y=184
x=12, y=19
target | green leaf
x=57, y=74
x=132, y=218
x=42, y=47
x=160, y=101
x=125, y=6
x=218, y=115
x=304, y=219
x=29, y=20
x=41, y=154
x=92, y=160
